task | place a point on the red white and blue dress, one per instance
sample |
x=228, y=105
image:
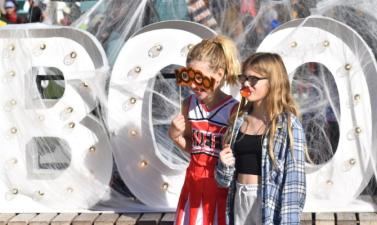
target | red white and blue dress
x=201, y=201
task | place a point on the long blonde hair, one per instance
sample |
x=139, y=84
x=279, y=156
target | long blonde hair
x=221, y=53
x=279, y=99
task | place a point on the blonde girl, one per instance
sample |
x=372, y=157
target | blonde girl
x=200, y=128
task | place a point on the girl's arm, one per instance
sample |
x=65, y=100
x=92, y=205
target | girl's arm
x=294, y=177
x=180, y=129
x=225, y=167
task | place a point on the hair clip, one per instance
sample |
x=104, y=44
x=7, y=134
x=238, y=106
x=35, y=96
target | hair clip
x=186, y=76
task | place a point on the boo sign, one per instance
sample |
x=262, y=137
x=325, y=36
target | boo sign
x=67, y=118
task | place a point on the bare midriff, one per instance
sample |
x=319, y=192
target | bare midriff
x=248, y=178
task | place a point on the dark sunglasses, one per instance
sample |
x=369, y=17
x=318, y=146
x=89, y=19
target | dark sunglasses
x=253, y=80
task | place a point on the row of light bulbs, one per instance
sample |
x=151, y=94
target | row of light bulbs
x=153, y=52
x=356, y=98
x=68, y=60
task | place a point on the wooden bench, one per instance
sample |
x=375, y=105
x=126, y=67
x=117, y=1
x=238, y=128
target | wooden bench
x=162, y=218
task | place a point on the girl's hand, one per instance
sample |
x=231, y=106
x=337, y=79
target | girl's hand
x=226, y=156
x=177, y=127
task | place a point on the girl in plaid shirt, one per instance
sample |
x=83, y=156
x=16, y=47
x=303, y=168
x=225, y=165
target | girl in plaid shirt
x=265, y=164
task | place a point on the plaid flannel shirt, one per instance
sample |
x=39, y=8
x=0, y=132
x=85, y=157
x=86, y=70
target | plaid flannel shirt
x=283, y=185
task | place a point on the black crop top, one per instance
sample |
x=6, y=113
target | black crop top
x=248, y=153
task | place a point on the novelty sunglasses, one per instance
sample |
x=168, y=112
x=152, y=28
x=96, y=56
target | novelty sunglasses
x=186, y=76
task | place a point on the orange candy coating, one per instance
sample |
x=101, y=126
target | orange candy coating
x=245, y=92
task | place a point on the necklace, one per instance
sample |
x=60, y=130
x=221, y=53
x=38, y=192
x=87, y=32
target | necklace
x=255, y=131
